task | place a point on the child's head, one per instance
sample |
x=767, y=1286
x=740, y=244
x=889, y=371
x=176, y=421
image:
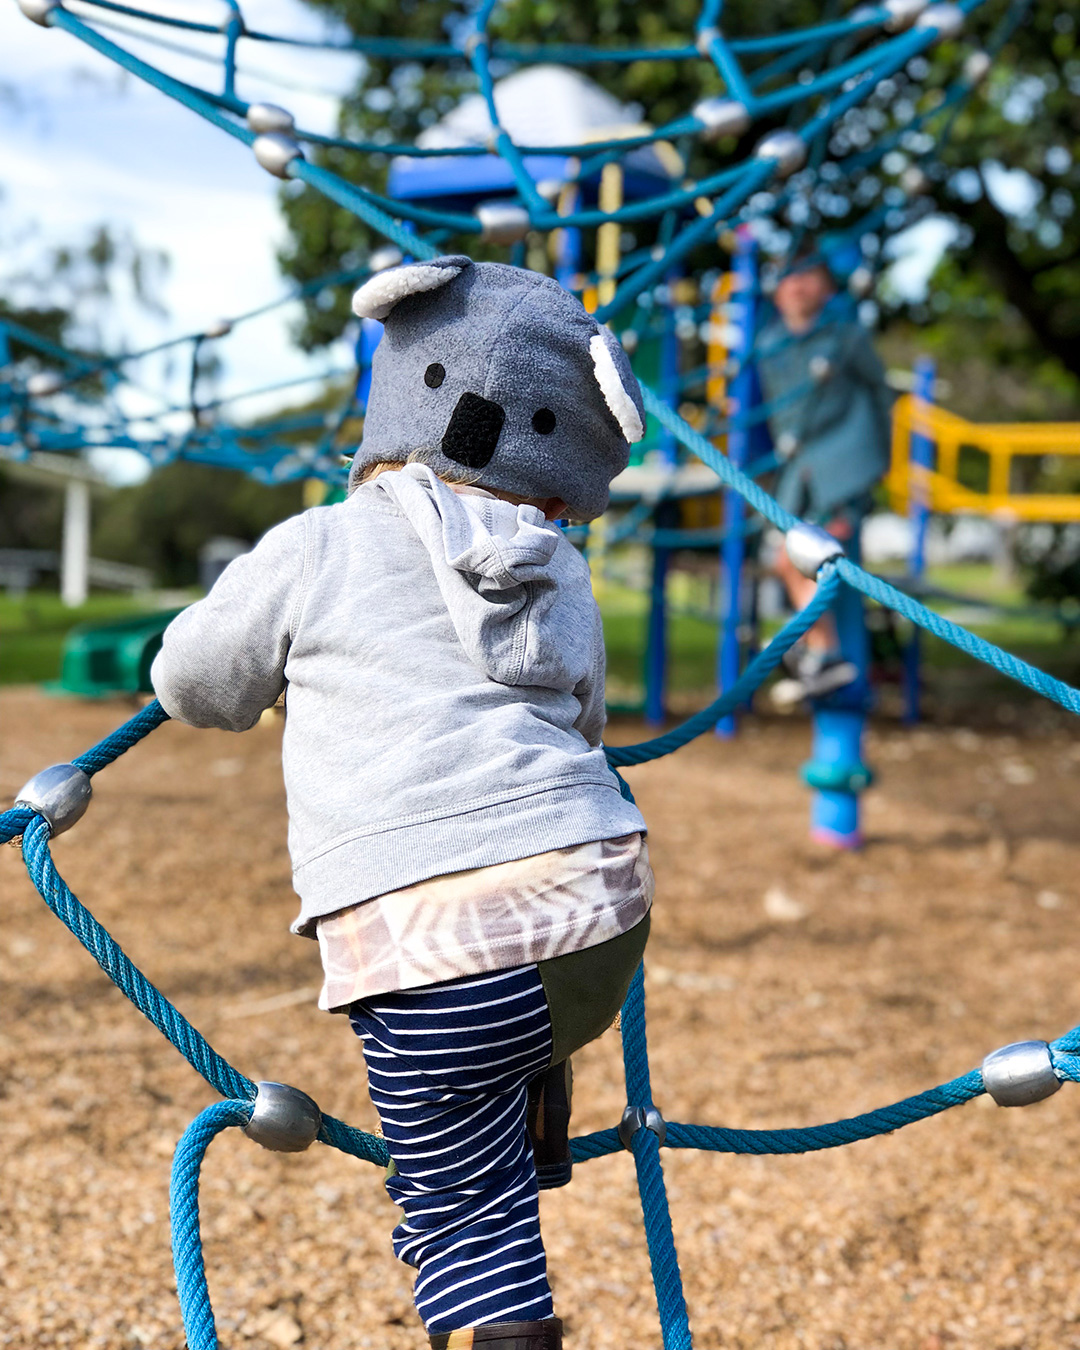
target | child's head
x=497, y=376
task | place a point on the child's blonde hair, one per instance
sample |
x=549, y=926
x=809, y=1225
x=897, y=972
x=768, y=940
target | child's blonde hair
x=462, y=477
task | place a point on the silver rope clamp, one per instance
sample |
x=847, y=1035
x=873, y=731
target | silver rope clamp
x=275, y=152
x=265, y=118
x=44, y=383
x=283, y=1119
x=61, y=793
x=810, y=547
x=902, y=13
x=38, y=11
x=947, y=20
x=721, y=117
x=502, y=222
x=705, y=39
x=787, y=148
x=1019, y=1074
x=636, y=1118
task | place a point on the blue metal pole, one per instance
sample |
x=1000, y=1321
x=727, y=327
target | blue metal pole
x=920, y=458
x=733, y=550
x=369, y=337
x=656, y=636
x=836, y=770
x=664, y=517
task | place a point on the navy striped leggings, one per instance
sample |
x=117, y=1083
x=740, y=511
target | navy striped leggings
x=448, y=1069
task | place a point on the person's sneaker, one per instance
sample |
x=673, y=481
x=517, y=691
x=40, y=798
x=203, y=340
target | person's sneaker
x=814, y=674
x=549, y=1125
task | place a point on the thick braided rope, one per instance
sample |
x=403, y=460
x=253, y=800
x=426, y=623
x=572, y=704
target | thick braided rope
x=663, y=1258
x=121, y=740
x=123, y=972
x=188, y=1262
x=1012, y=666
x=119, y=967
x=1004, y=662
x=755, y=674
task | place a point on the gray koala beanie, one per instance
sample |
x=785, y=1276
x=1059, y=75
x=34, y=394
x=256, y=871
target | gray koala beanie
x=499, y=372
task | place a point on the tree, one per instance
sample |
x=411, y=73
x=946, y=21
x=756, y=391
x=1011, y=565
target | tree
x=1008, y=175
x=163, y=522
x=62, y=293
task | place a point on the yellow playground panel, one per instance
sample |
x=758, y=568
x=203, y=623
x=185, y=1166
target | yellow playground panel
x=979, y=467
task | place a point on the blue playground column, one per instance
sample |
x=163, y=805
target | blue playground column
x=368, y=338
x=920, y=456
x=666, y=516
x=743, y=306
x=836, y=770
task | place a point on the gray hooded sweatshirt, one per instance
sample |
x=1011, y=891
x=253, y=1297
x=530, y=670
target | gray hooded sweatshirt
x=443, y=662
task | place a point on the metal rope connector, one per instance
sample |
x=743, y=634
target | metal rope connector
x=61, y=793
x=265, y=118
x=810, y=547
x=721, y=117
x=636, y=1118
x=283, y=1119
x=785, y=148
x=502, y=222
x=38, y=11
x=1019, y=1074
x=275, y=152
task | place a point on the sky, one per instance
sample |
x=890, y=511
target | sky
x=82, y=143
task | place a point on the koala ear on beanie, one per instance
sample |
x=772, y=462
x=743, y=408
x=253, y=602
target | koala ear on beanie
x=380, y=293
x=618, y=384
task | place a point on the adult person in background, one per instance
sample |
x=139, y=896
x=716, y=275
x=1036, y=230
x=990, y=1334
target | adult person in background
x=831, y=428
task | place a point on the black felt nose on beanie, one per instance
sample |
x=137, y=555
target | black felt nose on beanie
x=474, y=431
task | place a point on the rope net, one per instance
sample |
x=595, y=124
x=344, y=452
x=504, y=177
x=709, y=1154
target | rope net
x=814, y=77
x=828, y=118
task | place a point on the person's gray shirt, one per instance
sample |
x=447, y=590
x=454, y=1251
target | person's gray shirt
x=831, y=419
x=443, y=664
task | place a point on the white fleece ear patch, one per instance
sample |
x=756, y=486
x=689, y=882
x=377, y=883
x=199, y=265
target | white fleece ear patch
x=378, y=295
x=618, y=400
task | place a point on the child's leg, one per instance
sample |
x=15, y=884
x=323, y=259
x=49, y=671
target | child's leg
x=448, y=1068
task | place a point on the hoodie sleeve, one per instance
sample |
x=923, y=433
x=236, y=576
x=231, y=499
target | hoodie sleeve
x=222, y=661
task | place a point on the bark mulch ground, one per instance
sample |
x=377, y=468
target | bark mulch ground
x=786, y=985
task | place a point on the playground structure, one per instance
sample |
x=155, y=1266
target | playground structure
x=285, y=1118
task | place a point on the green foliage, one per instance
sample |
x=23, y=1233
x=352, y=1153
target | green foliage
x=1009, y=176
x=63, y=293
x=394, y=101
x=163, y=522
x=34, y=627
x=30, y=516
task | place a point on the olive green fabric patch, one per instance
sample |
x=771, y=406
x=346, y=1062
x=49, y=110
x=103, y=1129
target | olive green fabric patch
x=586, y=989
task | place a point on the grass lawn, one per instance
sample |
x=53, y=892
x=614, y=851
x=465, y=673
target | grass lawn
x=692, y=642
x=32, y=630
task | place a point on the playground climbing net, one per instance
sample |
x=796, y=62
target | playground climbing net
x=790, y=97
x=285, y=1118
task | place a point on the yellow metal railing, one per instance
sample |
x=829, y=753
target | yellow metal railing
x=1002, y=443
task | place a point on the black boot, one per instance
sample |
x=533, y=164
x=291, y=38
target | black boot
x=549, y=1125
x=546, y=1335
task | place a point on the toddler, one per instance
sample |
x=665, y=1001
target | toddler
x=478, y=885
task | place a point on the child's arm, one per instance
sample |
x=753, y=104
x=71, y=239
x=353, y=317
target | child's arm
x=222, y=661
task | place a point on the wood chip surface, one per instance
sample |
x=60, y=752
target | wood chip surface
x=787, y=986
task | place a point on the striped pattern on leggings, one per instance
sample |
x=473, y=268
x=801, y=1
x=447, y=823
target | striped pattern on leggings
x=448, y=1069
